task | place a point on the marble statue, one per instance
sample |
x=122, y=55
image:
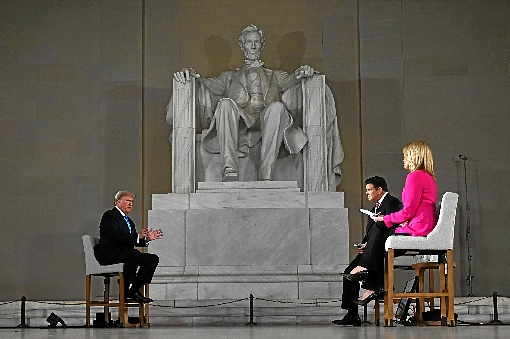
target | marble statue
x=232, y=105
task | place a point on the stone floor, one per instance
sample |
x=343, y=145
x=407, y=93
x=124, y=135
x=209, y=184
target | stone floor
x=263, y=332
x=224, y=313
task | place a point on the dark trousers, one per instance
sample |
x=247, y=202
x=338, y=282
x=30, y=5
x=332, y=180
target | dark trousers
x=350, y=292
x=134, y=259
x=373, y=253
x=372, y=259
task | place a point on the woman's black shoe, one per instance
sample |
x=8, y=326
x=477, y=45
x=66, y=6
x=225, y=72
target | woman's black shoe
x=374, y=296
x=361, y=275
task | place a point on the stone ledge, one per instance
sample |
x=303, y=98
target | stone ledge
x=247, y=278
x=285, y=197
x=247, y=185
x=248, y=270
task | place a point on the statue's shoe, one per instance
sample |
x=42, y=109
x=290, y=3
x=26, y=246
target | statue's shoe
x=229, y=174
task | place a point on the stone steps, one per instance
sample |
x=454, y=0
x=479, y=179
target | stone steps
x=230, y=239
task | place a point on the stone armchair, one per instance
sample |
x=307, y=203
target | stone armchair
x=311, y=168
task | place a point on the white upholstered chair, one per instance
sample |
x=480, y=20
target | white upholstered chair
x=439, y=242
x=93, y=268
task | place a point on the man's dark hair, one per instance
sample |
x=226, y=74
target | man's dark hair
x=377, y=182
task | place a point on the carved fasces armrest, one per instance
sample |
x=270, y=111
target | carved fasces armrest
x=183, y=116
x=315, y=153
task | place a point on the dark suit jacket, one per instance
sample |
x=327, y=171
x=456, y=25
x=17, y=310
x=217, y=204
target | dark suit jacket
x=114, y=236
x=233, y=85
x=376, y=235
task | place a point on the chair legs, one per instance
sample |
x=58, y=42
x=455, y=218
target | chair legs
x=106, y=298
x=389, y=282
x=143, y=309
x=122, y=304
x=377, y=312
x=419, y=273
x=446, y=290
x=87, y=299
x=445, y=293
x=123, y=316
x=450, y=287
x=143, y=312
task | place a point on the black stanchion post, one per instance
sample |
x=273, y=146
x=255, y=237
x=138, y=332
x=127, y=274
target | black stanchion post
x=251, y=311
x=496, y=320
x=23, y=308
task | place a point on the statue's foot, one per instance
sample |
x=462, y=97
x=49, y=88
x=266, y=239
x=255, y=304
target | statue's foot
x=229, y=174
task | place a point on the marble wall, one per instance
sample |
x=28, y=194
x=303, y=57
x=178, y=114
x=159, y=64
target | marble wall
x=439, y=71
x=71, y=135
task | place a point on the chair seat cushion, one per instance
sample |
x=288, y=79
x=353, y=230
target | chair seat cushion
x=418, y=243
x=105, y=269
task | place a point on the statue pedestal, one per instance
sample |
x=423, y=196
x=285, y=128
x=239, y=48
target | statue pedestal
x=229, y=240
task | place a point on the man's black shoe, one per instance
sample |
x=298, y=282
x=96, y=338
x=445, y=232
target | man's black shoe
x=348, y=320
x=138, y=297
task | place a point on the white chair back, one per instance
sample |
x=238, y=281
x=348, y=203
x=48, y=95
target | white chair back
x=92, y=266
x=445, y=227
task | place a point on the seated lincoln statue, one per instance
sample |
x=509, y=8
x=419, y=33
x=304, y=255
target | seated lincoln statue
x=230, y=106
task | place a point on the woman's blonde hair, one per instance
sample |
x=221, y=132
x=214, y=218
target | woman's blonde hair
x=419, y=155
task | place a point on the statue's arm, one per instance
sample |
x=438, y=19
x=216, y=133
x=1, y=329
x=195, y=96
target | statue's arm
x=216, y=85
x=287, y=81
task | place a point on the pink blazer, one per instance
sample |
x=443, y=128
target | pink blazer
x=419, y=196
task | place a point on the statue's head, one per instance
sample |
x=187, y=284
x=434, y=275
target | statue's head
x=252, y=42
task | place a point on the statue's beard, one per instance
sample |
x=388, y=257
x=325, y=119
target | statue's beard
x=252, y=55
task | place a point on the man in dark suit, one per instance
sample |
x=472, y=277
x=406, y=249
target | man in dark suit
x=370, y=258
x=116, y=245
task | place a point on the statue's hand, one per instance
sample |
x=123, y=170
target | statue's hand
x=185, y=75
x=304, y=72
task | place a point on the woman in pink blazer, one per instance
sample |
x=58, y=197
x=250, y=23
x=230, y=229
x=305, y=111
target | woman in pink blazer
x=419, y=196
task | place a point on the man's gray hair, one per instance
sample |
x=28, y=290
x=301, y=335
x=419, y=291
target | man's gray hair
x=249, y=29
x=121, y=194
